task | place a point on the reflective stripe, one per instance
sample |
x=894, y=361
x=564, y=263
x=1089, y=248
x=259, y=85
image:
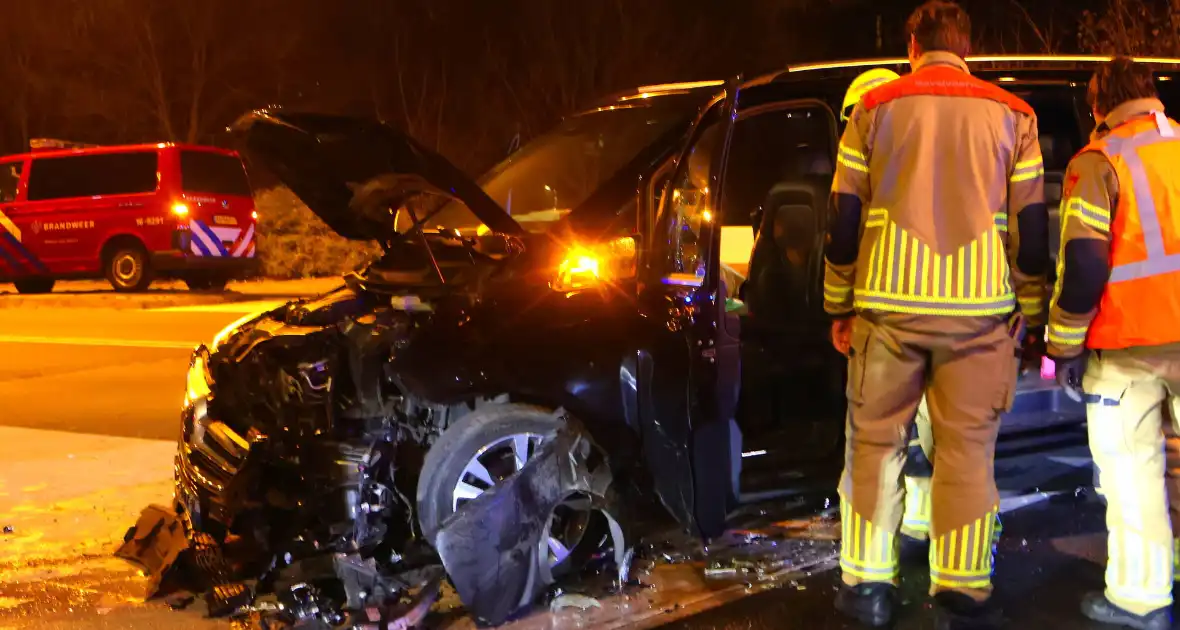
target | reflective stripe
x=853, y=153
x=9, y=226
x=1157, y=262
x=934, y=305
x=836, y=294
x=1001, y=222
x=1066, y=339
x=851, y=164
x=1028, y=170
x=867, y=553
x=1094, y=216
x=877, y=217
x=916, y=521
x=1137, y=578
x=853, y=159
x=962, y=558
x=903, y=274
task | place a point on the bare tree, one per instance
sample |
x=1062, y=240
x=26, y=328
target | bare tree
x=185, y=65
x=1133, y=27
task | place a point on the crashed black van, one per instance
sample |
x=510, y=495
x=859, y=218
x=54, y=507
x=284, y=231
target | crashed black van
x=632, y=302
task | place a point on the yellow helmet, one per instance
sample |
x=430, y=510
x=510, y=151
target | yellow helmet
x=861, y=85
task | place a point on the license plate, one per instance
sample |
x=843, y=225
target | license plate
x=225, y=219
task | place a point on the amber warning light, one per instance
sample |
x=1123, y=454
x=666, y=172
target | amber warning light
x=587, y=266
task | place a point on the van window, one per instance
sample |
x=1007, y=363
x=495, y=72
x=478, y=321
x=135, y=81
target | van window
x=93, y=175
x=1058, y=125
x=10, y=180
x=213, y=173
x=1170, y=94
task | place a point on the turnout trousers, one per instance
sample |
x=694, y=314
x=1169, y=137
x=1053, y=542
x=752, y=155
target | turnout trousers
x=965, y=368
x=915, y=522
x=1131, y=411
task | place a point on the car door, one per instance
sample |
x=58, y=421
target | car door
x=687, y=362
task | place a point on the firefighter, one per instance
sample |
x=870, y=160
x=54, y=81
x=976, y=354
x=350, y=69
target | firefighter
x=940, y=231
x=915, y=524
x=1113, y=330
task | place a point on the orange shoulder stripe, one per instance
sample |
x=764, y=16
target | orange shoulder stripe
x=943, y=81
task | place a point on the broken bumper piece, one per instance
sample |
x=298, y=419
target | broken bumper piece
x=495, y=549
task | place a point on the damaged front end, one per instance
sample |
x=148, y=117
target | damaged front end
x=297, y=467
x=305, y=429
x=298, y=446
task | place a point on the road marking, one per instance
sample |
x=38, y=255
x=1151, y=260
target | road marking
x=98, y=341
x=227, y=307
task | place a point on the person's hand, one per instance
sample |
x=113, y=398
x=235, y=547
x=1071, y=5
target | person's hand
x=842, y=335
x=1069, y=376
x=1033, y=350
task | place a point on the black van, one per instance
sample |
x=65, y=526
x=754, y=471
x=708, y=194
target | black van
x=650, y=271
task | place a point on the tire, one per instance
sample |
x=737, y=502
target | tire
x=33, y=286
x=579, y=531
x=206, y=283
x=127, y=268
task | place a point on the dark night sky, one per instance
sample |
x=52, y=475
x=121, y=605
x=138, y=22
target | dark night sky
x=464, y=76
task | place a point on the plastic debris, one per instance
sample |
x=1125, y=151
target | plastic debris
x=154, y=543
x=574, y=600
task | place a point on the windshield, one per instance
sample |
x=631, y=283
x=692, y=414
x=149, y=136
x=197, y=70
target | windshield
x=557, y=172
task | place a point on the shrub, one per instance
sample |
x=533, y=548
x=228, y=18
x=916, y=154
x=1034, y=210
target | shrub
x=294, y=243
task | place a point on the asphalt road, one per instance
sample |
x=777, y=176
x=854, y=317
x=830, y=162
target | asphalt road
x=102, y=371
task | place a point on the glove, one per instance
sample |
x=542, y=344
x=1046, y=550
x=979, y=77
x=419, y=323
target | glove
x=1069, y=376
x=1033, y=350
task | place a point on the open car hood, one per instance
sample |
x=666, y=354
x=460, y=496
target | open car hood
x=353, y=171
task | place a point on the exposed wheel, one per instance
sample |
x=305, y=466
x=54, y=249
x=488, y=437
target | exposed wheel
x=206, y=283
x=34, y=285
x=483, y=448
x=127, y=268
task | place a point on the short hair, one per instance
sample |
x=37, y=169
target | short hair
x=1117, y=81
x=940, y=25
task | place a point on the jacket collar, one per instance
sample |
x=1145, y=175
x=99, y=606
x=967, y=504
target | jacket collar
x=1131, y=109
x=941, y=58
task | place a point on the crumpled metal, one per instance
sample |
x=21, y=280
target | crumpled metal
x=495, y=548
x=154, y=543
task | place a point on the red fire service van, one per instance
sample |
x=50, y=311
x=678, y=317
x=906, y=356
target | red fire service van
x=126, y=213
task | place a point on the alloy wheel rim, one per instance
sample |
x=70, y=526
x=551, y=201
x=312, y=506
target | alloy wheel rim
x=500, y=459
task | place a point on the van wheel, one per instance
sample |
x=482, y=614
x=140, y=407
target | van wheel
x=482, y=449
x=34, y=285
x=127, y=269
x=206, y=283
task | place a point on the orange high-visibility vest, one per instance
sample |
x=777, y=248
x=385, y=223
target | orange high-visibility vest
x=1141, y=303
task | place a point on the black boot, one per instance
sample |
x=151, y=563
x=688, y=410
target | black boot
x=1095, y=606
x=872, y=604
x=957, y=611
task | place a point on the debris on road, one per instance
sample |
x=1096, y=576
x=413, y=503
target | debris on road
x=573, y=600
x=154, y=543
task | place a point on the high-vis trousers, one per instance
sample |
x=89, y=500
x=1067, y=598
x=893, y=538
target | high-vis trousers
x=1128, y=391
x=915, y=521
x=966, y=370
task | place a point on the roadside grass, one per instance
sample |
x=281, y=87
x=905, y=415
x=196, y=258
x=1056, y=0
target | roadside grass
x=294, y=243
